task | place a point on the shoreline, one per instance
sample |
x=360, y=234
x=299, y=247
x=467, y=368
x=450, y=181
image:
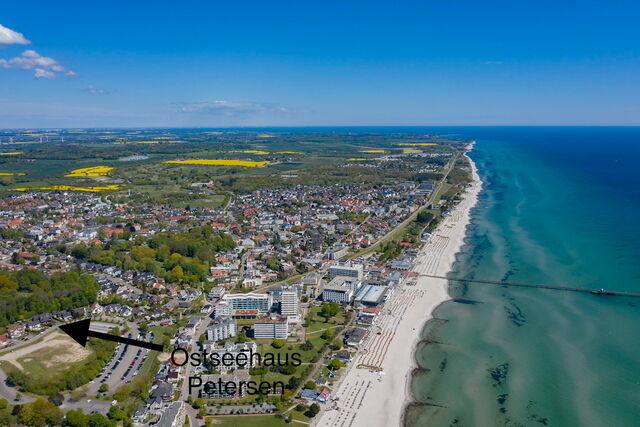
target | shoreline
x=378, y=396
x=470, y=196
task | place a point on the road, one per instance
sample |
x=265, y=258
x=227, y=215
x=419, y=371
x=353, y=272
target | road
x=191, y=412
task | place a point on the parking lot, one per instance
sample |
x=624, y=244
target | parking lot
x=125, y=363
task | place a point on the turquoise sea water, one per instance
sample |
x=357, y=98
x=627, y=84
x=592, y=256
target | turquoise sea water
x=560, y=206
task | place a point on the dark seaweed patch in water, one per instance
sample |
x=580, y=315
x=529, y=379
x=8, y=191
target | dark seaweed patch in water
x=499, y=374
x=443, y=364
x=465, y=301
x=502, y=398
x=515, y=314
x=535, y=417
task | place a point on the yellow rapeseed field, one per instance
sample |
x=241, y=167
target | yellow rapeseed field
x=356, y=160
x=71, y=188
x=13, y=153
x=372, y=151
x=411, y=150
x=288, y=152
x=245, y=163
x=249, y=151
x=90, y=172
x=12, y=173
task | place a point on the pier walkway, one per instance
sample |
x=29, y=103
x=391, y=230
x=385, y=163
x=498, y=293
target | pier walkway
x=537, y=285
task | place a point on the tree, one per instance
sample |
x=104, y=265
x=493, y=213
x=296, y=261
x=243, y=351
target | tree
x=40, y=413
x=336, y=345
x=294, y=382
x=278, y=343
x=116, y=413
x=103, y=388
x=177, y=272
x=310, y=384
x=335, y=364
x=56, y=398
x=76, y=418
x=5, y=412
x=242, y=337
x=313, y=410
x=99, y=420
x=329, y=309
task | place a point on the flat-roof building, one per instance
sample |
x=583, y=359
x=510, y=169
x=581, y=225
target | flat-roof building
x=371, y=295
x=337, y=293
x=347, y=270
x=249, y=301
x=271, y=327
x=221, y=329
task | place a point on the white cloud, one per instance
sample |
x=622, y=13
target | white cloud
x=227, y=108
x=92, y=90
x=8, y=36
x=43, y=67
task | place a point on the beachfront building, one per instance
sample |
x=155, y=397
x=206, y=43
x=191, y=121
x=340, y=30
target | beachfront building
x=221, y=329
x=371, y=295
x=355, y=271
x=355, y=337
x=337, y=293
x=271, y=327
x=249, y=301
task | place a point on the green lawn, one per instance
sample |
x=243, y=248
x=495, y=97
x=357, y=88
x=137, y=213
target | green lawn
x=249, y=421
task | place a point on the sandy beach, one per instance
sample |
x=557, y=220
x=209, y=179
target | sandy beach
x=375, y=389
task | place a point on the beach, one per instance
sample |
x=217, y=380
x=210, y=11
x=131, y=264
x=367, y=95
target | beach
x=375, y=388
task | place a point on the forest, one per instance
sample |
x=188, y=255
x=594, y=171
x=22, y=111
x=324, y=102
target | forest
x=28, y=292
x=175, y=257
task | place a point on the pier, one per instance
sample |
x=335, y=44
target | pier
x=603, y=292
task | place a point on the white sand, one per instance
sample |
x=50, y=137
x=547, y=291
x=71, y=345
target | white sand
x=375, y=389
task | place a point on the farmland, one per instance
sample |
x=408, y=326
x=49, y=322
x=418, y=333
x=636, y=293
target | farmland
x=162, y=166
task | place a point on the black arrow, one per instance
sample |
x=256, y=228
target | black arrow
x=79, y=331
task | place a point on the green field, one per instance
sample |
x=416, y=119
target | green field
x=316, y=158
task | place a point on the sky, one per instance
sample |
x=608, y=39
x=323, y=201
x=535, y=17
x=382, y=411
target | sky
x=209, y=63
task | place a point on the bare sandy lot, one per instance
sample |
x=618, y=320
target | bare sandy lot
x=57, y=348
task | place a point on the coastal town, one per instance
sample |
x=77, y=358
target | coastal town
x=327, y=275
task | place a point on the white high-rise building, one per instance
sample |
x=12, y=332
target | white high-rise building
x=289, y=303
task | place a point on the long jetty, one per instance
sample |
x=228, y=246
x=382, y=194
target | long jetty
x=536, y=285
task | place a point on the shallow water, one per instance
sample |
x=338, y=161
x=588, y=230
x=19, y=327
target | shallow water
x=560, y=206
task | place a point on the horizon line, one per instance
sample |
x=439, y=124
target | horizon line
x=317, y=127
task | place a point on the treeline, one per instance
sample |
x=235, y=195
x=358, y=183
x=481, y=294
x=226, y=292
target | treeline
x=27, y=292
x=175, y=257
x=41, y=413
